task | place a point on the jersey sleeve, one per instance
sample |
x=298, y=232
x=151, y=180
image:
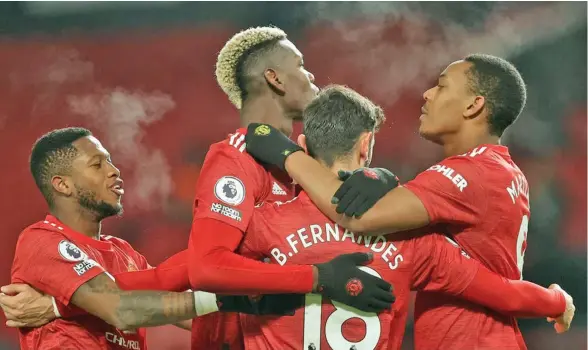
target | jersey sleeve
x=255, y=244
x=440, y=265
x=452, y=191
x=228, y=187
x=49, y=262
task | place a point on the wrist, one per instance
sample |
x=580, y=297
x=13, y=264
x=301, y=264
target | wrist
x=291, y=160
x=205, y=303
x=55, y=308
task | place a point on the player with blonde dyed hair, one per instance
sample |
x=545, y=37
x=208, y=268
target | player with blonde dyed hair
x=263, y=75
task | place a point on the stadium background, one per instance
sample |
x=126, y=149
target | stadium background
x=141, y=76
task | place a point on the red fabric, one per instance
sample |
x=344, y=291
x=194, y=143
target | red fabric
x=170, y=275
x=298, y=233
x=481, y=199
x=518, y=298
x=57, y=260
x=215, y=267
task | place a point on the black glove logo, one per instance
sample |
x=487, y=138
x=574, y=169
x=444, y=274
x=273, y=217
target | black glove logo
x=262, y=130
x=354, y=287
x=371, y=174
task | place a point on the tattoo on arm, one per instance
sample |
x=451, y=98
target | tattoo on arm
x=101, y=297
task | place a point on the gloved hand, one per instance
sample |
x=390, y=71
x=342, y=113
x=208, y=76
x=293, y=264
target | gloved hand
x=270, y=304
x=361, y=190
x=341, y=280
x=268, y=145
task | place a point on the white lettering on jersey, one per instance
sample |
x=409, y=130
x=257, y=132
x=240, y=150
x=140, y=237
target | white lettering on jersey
x=517, y=187
x=314, y=234
x=475, y=152
x=457, y=179
x=121, y=341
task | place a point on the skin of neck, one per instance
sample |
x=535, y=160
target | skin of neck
x=468, y=138
x=77, y=218
x=349, y=163
x=266, y=109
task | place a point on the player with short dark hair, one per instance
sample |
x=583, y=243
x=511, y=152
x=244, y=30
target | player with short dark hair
x=296, y=232
x=477, y=194
x=66, y=256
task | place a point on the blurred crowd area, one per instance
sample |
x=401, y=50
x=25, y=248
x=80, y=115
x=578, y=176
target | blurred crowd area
x=141, y=76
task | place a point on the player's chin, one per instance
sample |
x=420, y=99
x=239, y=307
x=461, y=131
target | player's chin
x=428, y=133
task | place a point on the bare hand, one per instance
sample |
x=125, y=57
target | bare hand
x=24, y=306
x=563, y=322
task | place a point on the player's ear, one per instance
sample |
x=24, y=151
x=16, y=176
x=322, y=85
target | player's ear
x=474, y=107
x=274, y=82
x=302, y=142
x=365, y=145
x=61, y=185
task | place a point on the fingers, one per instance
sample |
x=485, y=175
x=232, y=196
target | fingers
x=15, y=324
x=344, y=175
x=347, y=199
x=8, y=302
x=359, y=258
x=340, y=193
x=12, y=289
x=380, y=305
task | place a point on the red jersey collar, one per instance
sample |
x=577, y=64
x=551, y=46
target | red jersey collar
x=76, y=236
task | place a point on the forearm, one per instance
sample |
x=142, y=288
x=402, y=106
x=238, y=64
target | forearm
x=187, y=325
x=171, y=275
x=147, y=308
x=512, y=297
x=317, y=181
x=214, y=266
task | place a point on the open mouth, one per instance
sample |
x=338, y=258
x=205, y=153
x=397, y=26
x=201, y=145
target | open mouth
x=118, y=190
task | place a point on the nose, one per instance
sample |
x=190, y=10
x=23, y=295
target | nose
x=427, y=94
x=311, y=77
x=113, y=171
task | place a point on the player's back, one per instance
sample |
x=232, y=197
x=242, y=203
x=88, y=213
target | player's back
x=57, y=260
x=489, y=219
x=296, y=232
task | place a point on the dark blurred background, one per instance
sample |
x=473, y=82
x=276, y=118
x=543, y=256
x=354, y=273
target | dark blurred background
x=141, y=76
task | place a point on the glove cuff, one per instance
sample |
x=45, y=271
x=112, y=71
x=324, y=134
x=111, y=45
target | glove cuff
x=205, y=303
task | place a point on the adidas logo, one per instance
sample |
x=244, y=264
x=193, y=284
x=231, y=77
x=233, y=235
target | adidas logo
x=277, y=190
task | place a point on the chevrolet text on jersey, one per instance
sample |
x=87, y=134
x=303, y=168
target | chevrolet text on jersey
x=332, y=233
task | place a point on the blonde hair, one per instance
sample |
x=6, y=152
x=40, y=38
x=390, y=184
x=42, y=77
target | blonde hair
x=231, y=54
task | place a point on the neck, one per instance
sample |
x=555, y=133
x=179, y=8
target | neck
x=264, y=109
x=460, y=143
x=78, y=220
x=342, y=164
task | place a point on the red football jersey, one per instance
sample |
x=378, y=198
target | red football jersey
x=482, y=200
x=296, y=232
x=57, y=260
x=230, y=185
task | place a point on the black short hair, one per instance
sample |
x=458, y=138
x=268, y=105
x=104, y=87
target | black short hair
x=502, y=86
x=335, y=120
x=248, y=64
x=52, y=155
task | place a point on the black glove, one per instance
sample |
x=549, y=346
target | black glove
x=362, y=189
x=341, y=280
x=268, y=145
x=271, y=304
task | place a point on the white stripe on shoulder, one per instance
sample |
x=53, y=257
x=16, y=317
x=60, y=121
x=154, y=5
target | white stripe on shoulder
x=237, y=140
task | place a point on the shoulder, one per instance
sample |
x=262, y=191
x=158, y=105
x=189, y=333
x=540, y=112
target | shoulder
x=232, y=149
x=40, y=231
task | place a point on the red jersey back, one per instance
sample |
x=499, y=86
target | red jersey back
x=230, y=185
x=57, y=260
x=296, y=232
x=482, y=200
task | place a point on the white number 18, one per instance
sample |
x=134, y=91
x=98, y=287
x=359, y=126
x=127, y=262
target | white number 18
x=334, y=325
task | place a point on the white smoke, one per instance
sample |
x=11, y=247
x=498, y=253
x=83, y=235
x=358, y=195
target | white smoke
x=390, y=66
x=118, y=114
x=121, y=115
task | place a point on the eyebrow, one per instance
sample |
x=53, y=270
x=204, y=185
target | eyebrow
x=106, y=156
